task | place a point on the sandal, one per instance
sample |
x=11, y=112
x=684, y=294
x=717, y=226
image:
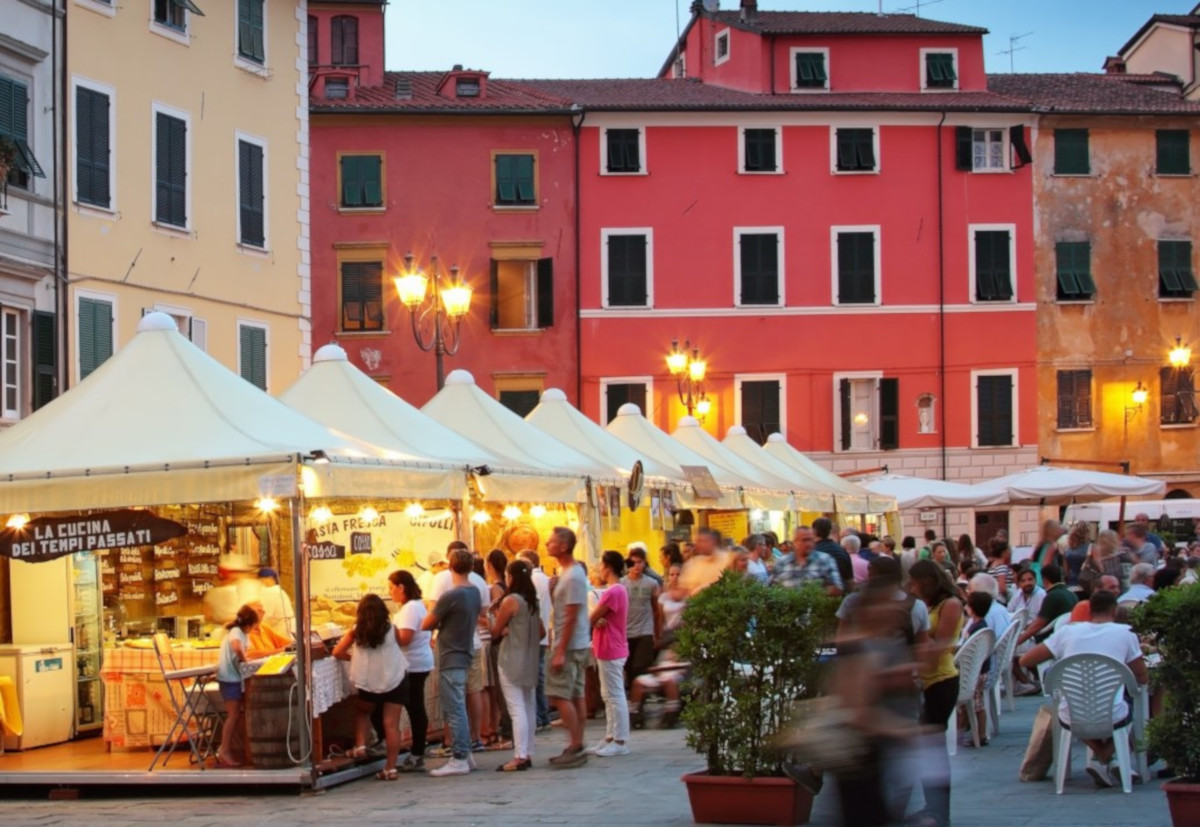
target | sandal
x=358, y=753
x=515, y=765
x=387, y=775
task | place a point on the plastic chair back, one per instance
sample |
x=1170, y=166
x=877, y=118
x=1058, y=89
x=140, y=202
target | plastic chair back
x=970, y=660
x=1002, y=653
x=1089, y=684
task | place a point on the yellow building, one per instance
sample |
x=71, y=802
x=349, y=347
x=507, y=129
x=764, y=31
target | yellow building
x=187, y=180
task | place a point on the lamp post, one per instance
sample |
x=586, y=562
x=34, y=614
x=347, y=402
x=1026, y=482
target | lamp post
x=689, y=371
x=436, y=315
x=1180, y=358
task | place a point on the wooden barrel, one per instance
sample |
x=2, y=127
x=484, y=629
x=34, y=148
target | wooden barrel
x=267, y=713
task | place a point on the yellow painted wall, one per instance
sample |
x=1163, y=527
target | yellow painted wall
x=121, y=252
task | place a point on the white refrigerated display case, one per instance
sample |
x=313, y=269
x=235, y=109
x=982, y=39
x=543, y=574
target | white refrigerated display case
x=45, y=678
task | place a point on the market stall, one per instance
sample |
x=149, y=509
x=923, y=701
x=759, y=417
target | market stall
x=813, y=497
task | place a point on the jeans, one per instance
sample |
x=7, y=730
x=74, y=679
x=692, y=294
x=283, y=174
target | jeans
x=612, y=690
x=641, y=658
x=418, y=719
x=520, y=702
x=452, y=690
x=543, y=706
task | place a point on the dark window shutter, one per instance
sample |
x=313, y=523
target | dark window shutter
x=994, y=407
x=993, y=272
x=545, y=292
x=362, y=181
x=844, y=397
x=855, y=150
x=250, y=185
x=810, y=70
x=964, y=159
x=520, y=402
x=171, y=171
x=313, y=42
x=856, y=268
x=889, y=414
x=759, y=150
x=623, y=150
x=1176, y=279
x=1074, y=399
x=362, y=295
x=1016, y=136
x=616, y=395
x=759, y=255
x=14, y=123
x=91, y=147
x=250, y=30
x=94, y=335
x=45, y=358
x=1173, y=155
x=1178, y=395
x=1071, y=152
x=627, y=271
x=761, y=406
x=494, y=295
x=344, y=37
x=254, y=355
x=1073, y=264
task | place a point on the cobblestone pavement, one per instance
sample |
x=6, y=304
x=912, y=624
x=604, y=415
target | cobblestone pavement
x=641, y=788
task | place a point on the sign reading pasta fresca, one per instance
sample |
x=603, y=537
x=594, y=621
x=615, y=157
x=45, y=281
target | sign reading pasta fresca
x=47, y=538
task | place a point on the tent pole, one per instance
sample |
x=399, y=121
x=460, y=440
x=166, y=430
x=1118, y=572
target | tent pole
x=304, y=634
x=1121, y=519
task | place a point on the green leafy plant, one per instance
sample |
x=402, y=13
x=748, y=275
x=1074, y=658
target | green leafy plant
x=1170, y=618
x=755, y=650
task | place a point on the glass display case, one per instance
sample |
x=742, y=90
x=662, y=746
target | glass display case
x=86, y=609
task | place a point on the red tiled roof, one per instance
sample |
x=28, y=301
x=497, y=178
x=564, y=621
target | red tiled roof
x=841, y=22
x=416, y=92
x=1090, y=94
x=1191, y=21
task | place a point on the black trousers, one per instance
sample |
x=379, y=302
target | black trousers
x=415, y=707
x=641, y=658
x=938, y=701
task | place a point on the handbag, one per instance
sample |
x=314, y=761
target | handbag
x=1039, y=754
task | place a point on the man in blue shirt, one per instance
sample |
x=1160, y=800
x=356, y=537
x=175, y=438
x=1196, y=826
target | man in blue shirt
x=823, y=527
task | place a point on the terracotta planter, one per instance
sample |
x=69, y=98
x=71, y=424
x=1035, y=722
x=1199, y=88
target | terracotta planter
x=720, y=799
x=1183, y=800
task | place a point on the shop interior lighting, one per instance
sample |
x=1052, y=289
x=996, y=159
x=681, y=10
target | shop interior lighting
x=481, y=517
x=368, y=514
x=537, y=511
x=266, y=504
x=512, y=512
x=321, y=514
x=18, y=521
x=415, y=510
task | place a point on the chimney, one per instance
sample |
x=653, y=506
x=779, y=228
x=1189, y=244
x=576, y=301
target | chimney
x=749, y=10
x=1113, y=65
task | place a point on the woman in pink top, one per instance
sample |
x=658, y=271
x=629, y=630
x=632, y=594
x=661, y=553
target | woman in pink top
x=611, y=647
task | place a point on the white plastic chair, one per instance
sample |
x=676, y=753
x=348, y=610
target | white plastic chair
x=1001, y=672
x=1089, y=684
x=1044, y=667
x=969, y=660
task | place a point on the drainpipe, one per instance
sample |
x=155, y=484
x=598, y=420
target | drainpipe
x=576, y=127
x=61, y=274
x=942, y=306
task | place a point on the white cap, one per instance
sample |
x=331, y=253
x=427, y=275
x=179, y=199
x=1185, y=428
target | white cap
x=776, y=437
x=460, y=377
x=554, y=395
x=688, y=422
x=735, y=430
x=330, y=353
x=629, y=409
x=156, y=320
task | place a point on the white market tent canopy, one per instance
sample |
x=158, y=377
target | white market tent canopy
x=162, y=422
x=850, y=498
x=1050, y=485
x=810, y=494
x=463, y=407
x=563, y=421
x=773, y=493
x=918, y=492
x=632, y=428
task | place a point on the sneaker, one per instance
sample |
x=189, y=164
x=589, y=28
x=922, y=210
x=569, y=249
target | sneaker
x=612, y=749
x=455, y=766
x=471, y=761
x=412, y=764
x=1101, y=775
x=596, y=749
x=443, y=751
x=568, y=759
x=478, y=747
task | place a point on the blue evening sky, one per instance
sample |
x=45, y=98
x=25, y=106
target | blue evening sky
x=631, y=38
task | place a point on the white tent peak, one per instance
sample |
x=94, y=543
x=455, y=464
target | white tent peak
x=776, y=437
x=688, y=422
x=629, y=409
x=735, y=430
x=155, y=322
x=554, y=395
x=460, y=377
x=331, y=352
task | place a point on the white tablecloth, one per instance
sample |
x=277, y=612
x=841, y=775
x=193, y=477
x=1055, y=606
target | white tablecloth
x=331, y=683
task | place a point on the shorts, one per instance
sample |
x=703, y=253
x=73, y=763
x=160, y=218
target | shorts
x=568, y=682
x=477, y=672
x=397, y=695
x=232, y=690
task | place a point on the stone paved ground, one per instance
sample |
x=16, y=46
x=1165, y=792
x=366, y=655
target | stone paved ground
x=642, y=788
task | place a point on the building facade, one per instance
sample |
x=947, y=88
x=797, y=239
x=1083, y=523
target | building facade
x=1166, y=44
x=1118, y=205
x=187, y=180
x=31, y=265
x=475, y=171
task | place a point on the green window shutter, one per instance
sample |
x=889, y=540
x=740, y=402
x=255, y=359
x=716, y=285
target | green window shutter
x=855, y=150
x=993, y=271
x=362, y=181
x=253, y=365
x=352, y=185
x=494, y=295
x=92, y=154
x=810, y=70
x=1176, y=279
x=250, y=30
x=889, y=414
x=964, y=155
x=94, y=334
x=759, y=258
x=362, y=295
x=759, y=150
x=939, y=70
x=1071, y=152
x=545, y=292
x=994, y=408
x=844, y=399
x=627, y=276
x=250, y=186
x=170, y=170
x=1173, y=152
x=623, y=151
x=515, y=181
x=1073, y=265
x=1074, y=399
x=45, y=358
x=14, y=123
x=523, y=168
x=856, y=268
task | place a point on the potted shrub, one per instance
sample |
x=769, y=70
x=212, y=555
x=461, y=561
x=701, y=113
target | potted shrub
x=755, y=650
x=1169, y=617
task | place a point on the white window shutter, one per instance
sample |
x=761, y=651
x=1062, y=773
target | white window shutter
x=199, y=333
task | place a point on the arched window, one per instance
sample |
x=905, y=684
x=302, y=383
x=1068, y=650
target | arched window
x=344, y=41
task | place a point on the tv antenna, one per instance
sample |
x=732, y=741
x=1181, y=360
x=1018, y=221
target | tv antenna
x=1013, y=48
x=916, y=9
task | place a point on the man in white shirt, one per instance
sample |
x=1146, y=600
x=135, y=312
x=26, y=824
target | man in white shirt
x=1141, y=578
x=1029, y=599
x=279, y=613
x=1101, y=636
x=541, y=583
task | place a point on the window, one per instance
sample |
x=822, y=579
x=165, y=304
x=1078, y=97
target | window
x=617, y=392
x=251, y=40
x=171, y=169
x=362, y=181
x=992, y=265
x=252, y=196
x=760, y=150
x=867, y=412
x=94, y=333
x=467, y=88
x=522, y=294
x=623, y=150
x=1074, y=264
x=757, y=267
x=173, y=13
x=1178, y=395
x=10, y=365
x=1172, y=150
x=362, y=295
x=521, y=392
x=515, y=180
x=93, y=171
x=337, y=89
x=721, y=47
x=521, y=403
x=313, y=42
x=760, y=409
x=1176, y=279
x=14, y=125
x=344, y=41
x=995, y=403
x=193, y=329
x=987, y=149
x=939, y=70
x=252, y=354
x=855, y=150
x=1074, y=399
x=1071, y=152
x=857, y=265
x=627, y=264
x=45, y=358
x=809, y=70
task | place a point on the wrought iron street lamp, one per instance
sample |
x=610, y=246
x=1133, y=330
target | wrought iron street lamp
x=436, y=315
x=1180, y=358
x=689, y=371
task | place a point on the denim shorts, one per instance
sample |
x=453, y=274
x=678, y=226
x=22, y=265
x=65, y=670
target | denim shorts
x=232, y=690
